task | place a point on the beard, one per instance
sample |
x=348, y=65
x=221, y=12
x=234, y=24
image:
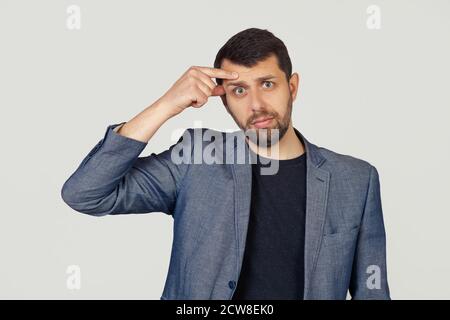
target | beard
x=266, y=137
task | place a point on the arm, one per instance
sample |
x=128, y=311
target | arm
x=112, y=179
x=369, y=274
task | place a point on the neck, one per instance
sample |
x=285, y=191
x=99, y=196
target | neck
x=289, y=147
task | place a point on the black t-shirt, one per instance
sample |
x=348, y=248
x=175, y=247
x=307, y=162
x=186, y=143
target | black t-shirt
x=273, y=265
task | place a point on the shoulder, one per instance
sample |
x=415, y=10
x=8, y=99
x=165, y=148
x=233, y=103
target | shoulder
x=344, y=161
x=347, y=167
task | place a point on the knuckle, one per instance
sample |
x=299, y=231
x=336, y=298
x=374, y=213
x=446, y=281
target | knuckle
x=191, y=70
x=192, y=81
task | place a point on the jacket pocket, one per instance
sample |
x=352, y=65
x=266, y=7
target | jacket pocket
x=340, y=237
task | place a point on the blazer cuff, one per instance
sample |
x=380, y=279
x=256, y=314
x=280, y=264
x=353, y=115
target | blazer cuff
x=119, y=144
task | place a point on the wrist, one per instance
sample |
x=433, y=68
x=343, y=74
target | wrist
x=163, y=108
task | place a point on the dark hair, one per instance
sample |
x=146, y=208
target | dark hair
x=251, y=46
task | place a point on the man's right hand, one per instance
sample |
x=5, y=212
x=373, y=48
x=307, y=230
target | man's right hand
x=194, y=88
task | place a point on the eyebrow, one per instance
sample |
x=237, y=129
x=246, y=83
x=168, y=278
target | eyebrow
x=239, y=83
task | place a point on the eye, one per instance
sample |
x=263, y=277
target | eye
x=235, y=90
x=269, y=82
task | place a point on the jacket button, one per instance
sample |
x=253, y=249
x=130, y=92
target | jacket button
x=231, y=284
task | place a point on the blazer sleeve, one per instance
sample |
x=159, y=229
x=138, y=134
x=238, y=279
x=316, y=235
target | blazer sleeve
x=369, y=272
x=113, y=179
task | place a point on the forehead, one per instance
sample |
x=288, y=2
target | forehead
x=262, y=68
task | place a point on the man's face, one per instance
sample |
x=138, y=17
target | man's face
x=260, y=92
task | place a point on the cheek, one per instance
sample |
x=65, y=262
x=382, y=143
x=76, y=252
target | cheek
x=238, y=109
x=278, y=102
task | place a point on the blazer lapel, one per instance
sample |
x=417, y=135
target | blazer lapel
x=242, y=175
x=317, y=183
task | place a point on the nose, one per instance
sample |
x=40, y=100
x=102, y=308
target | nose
x=256, y=102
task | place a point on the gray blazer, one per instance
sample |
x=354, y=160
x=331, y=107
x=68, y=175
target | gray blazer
x=345, y=242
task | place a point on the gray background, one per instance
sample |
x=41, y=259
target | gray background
x=380, y=95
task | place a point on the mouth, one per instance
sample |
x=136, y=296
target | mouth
x=261, y=119
x=262, y=122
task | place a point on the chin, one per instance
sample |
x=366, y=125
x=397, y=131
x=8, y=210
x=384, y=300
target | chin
x=264, y=134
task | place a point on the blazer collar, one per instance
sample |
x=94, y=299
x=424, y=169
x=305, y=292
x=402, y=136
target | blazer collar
x=312, y=151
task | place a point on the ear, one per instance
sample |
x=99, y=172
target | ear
x=293, y=85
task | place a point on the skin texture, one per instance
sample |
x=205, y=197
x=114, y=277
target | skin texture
x=256, y=98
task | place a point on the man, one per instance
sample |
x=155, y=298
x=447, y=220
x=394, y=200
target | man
x=312, y=228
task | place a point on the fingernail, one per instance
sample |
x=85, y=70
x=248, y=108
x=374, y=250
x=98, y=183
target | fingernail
x=234, y=74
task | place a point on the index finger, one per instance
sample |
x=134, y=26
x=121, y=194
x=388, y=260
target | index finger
x=218, y=73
